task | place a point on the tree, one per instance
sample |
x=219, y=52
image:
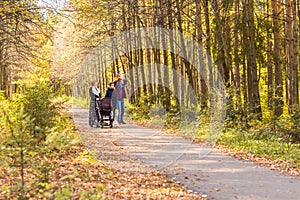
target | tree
x=269, y=64
x=203, y=84
x=242, y=38
x=292, y=55
x=278, y=99
x=253, y=91
x=22, y=33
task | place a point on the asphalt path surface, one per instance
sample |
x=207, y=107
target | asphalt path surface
x=200, y=168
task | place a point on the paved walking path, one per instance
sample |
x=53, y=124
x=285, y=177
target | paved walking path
x=200, y=168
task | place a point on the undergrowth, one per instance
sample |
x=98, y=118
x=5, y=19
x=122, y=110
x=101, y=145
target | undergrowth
x=82, y=102
x=39, y=146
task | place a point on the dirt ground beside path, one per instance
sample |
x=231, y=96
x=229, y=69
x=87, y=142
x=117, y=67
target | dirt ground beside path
x=132, y=179
x=215, y=175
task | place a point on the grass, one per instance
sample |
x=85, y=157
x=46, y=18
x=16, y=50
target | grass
x=258, y=143
x=268, y=145
x=82, y=102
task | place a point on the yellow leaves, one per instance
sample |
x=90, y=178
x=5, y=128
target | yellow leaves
x=84, y=177
x=85, y=158
x=1, y=12
x=75, y=173
x=14, y=7
x=5, y=6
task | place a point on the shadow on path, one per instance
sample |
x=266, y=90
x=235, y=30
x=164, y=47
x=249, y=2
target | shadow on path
x=199, y=168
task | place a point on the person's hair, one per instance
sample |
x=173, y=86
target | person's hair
x=111, y=83
x=93, y=82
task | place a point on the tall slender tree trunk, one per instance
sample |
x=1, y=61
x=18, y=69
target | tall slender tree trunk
x=157, y=58
x=296, y=54
x=172, y=53
x=148, y=58
x=203, y=84
x=208, y=50
x=223, y=58
x=2, y=72
x=187, y=66
x=237, y=81
x=253, y=91
x=292, y=55
x=141, y=59
x=103, y=75
x=165, y=54
x=136, y=51
x=269, y=60
x=289, y=54
x=128, y=38
x=221, y=43
x=278, y=98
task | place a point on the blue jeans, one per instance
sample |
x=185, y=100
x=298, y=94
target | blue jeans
x=120, y=104
x=114, y=106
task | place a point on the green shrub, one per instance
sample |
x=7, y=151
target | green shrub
x=82, y=102
x=139, y=110
x=33, y=129
x=38, y=105
x=295, y=129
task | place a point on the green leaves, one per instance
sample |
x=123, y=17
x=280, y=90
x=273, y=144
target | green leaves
x=64, y=194
x=62, y=140
x=263, y=147
x=26, y=120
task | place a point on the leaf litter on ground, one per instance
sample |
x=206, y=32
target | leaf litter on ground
x=96, y=169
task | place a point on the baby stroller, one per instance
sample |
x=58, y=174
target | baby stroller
x=105, y=110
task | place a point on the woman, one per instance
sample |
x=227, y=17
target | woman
x=111, y=94
x=94, y=95
x=110, y=90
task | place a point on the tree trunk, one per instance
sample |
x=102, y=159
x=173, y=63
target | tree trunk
x=292, y=47
x=136, y=51
x=208, y=51
x=269, y=61
x=182, y=44
x=166, y=78
x=171, y=43
x=157, y=59
x=148, y=58
x=296, y=54
x=253, y=92
x=223, y=58
x=278, y=98
x=236, y=56
x=289, y=53
x=203, y=84
x=128, y=38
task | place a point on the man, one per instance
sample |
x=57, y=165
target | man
x=117, y=78
x=120, y=95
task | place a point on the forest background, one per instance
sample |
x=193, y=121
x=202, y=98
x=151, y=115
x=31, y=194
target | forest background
x=45, y=48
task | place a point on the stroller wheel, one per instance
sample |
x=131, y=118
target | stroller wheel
x=101, y=123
